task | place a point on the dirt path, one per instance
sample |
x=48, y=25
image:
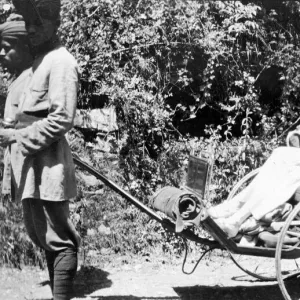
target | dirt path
x=214, y=279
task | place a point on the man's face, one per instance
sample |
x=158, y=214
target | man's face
x=39, y=30
x=10, y=53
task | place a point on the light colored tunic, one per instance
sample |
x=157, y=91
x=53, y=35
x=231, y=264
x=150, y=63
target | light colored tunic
x=13, y=98
x=276, y=183
x=42, y=164
x=11, y=106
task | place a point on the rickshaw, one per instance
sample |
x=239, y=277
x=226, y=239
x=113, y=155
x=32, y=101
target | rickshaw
x=285, y=256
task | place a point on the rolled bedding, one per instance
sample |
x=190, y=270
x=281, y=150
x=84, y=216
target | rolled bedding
x=180, y=205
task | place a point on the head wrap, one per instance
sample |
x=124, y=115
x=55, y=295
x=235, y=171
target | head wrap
x=13, y=29
x=45, y=9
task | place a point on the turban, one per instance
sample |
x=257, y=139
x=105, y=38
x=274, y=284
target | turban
x=46, y=9
x=13, y=29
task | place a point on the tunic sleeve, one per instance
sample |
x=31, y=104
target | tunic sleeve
x=62, y=97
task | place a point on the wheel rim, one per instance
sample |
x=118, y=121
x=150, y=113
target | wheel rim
x=288, y=270
x=264, y=267
x=244, y=180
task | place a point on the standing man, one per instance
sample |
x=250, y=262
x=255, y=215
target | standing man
x=15, y=57
x=14, y=50
x=43, y=174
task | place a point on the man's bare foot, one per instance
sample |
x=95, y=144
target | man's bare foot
x=219, y=211
x=228, y=226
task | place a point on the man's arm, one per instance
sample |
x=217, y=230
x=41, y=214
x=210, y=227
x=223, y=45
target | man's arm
x=62, y=94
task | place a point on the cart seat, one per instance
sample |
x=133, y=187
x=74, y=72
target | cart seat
x=293, y=140
x=296, y=196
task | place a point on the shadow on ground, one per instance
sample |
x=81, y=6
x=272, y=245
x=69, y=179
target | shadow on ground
x=269, y=291
x=134, y=298
x=257, y=292
x=90, y=279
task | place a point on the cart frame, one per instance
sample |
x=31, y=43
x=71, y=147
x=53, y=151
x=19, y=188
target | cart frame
x=220, y=239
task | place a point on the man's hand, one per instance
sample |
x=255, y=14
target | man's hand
x=7, y=137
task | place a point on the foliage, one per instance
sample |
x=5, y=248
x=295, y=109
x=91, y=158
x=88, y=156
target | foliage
x=16, y=249
x=183, y=75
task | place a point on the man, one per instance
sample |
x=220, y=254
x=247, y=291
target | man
x=267, y=194
x=15, y=58
x=14, y=49
x=43, y=174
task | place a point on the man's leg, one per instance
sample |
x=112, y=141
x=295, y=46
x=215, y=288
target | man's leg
x=65, y=266
x=50, y=258
x=28, y=217
x=50, y=228
x=62, y=266
x=61, y=242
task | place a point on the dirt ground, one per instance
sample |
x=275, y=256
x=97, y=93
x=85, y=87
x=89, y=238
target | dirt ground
x=216, y=278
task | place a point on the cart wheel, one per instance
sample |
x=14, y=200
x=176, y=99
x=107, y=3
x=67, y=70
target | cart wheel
x=242, y=183
x=288, y=270
x=262, y=268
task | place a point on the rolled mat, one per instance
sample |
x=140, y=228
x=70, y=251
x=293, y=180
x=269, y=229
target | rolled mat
x=179, y=205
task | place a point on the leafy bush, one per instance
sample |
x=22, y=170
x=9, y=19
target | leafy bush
x=16, y=249
x=183, y=75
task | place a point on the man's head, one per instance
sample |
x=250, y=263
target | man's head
x=42, y=19
x=14, y=50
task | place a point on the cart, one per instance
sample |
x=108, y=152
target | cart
x=285, y=258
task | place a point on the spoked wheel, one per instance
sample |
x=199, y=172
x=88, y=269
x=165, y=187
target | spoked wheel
x=242, y=183
x=262, y=268
x=288, y=270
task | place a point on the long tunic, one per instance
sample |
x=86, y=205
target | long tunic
x=42, y=164
x=276, y=183
x=11, y=106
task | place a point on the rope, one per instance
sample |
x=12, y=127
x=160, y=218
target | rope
x=198, y=261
